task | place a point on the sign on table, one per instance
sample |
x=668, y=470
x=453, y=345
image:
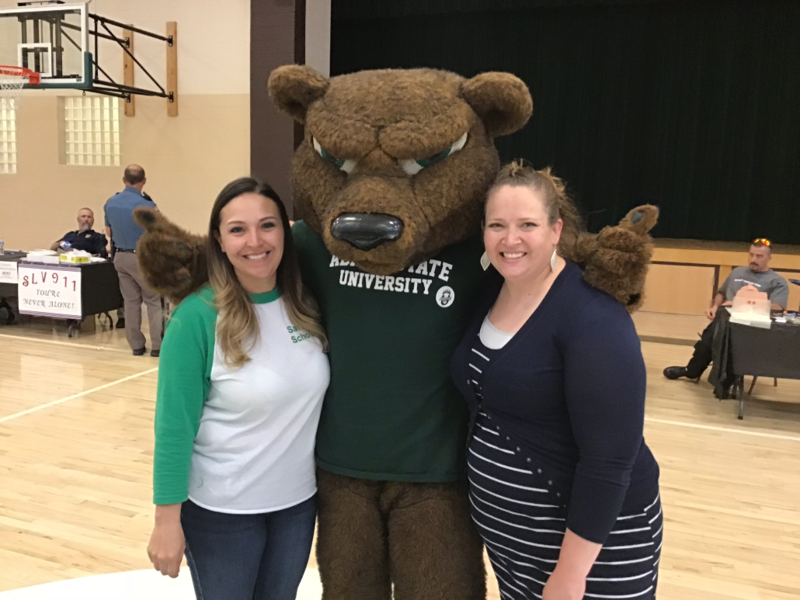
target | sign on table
x=47, y=291
x=8, y=272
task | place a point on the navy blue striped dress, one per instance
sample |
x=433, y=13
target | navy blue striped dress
x=556, y=441
x=521, y=515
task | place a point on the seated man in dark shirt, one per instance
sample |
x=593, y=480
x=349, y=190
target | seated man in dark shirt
x=87, y=239
x=84, y=238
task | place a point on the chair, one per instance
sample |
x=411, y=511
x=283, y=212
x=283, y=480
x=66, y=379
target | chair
x=11, y=318
x=753, y=384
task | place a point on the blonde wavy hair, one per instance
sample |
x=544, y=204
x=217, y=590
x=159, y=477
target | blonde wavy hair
x=237, y=326
x=557, y=203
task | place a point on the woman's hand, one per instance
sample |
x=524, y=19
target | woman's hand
x=167, y=543
x=568, y=581
x=564, y=586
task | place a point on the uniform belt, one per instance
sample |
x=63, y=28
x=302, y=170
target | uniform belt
x=124, y=250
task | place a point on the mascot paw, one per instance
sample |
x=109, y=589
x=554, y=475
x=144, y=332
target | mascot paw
x=172, y=260
x=620, y=257
x=641, y=219
x=627, y=245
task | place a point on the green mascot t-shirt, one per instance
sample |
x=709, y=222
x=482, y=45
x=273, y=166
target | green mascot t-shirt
x=391, y=411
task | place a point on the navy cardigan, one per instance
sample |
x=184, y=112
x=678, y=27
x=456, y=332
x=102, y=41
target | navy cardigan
x=570, y=386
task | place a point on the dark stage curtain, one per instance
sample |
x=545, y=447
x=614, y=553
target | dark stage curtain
x=693, y=106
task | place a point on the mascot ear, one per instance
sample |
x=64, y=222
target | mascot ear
x=294, y=87
x=501, y=100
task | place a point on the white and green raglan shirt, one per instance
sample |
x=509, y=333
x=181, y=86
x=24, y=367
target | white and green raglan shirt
x=237, y=440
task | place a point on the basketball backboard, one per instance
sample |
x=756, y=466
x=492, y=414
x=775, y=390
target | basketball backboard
x=51, y=39
x=56, y=40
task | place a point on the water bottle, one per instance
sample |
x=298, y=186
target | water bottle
x=65, y=246
x=2, y=250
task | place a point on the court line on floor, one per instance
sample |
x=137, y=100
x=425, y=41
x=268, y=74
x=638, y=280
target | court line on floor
x=775, y=436
x=55, y=402
x=78, y=395
x=59, y=343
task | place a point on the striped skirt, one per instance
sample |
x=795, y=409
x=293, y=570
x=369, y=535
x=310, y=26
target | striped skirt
x=522, y=520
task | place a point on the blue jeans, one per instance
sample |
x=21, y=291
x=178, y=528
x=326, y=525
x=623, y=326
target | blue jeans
x=248, y=557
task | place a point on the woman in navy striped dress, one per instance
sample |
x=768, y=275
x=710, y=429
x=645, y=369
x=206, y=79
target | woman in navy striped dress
x=563, y=488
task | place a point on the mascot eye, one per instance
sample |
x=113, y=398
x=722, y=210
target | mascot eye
x=414, y=166
x=343, y=165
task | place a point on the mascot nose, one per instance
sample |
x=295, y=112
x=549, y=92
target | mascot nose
x=366, y=231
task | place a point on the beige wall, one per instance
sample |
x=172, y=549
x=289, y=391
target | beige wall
x=318, y=35
x=678, y=289
x=681, y=279
x=188, y=158
x=794, y=290
x=213, y=41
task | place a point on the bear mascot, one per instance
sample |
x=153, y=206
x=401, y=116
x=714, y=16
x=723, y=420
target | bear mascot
x=390, y=182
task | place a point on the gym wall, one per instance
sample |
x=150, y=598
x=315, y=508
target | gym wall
x=188, y=158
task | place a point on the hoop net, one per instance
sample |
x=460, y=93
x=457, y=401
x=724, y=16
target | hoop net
x=12, y=80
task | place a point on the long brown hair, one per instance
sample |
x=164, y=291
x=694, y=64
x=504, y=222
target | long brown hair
x=557, y=203
x=237, y=326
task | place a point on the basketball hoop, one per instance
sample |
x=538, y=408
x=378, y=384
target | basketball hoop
x=12, y=79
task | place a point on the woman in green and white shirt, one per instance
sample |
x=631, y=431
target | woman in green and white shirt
x=241, y=379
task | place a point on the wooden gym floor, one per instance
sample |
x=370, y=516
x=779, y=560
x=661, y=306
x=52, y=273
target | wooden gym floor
x=76, y=448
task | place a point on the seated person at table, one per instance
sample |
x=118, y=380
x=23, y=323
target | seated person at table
x=759, y=275
x=84, y=238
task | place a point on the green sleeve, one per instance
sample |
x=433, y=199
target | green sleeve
x=184, y=373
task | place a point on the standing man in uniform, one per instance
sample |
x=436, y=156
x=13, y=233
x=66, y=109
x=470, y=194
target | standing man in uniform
x=124, y=234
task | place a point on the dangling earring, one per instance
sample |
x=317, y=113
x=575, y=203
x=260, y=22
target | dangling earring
x=485, y=261
x=554, y=261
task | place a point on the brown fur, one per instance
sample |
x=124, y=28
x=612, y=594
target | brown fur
x=616, y=259
x=173, y=260
x=380, y=117
x=418, y=536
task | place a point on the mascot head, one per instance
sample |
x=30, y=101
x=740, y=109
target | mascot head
x=395, y=166
x=395, y=163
